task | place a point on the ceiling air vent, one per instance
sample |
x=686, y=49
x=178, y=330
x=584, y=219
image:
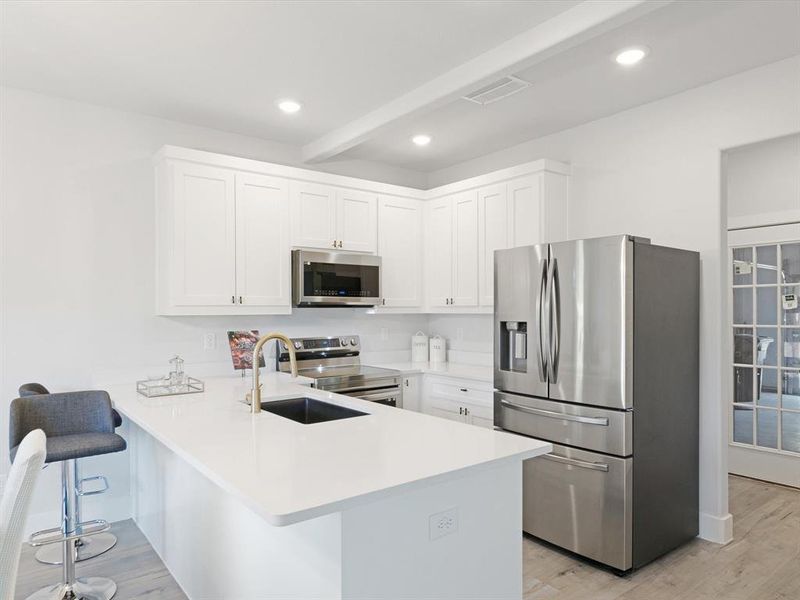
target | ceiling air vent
x=502, y=88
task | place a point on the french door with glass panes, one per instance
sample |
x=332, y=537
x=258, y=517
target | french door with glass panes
x=765, y=329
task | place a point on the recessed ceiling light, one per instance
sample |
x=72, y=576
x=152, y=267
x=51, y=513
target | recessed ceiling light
x=421, y=139
x=289, y=106
x=630, y=56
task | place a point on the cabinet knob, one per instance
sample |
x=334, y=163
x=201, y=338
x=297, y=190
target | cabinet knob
x=233, y=299
x=340, y=243
x=461, y=410
x=466, y=411
x=240, y=300
x=334, y=243
x=463, y=389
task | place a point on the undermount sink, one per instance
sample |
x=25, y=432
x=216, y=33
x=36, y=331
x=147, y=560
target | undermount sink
x=308, y=411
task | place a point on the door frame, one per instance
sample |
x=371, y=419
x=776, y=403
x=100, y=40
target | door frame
x=778, y=466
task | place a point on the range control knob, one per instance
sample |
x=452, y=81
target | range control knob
x=343, y=342
x=353, y=341
x=298, y=345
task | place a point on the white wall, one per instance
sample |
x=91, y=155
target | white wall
x=655, y=171
x=78, y=298
x=763, y=183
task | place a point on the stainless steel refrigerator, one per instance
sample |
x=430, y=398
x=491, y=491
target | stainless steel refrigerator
x=596, y=351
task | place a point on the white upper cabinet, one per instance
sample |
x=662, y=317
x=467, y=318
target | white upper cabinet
x=262, y=241
x=225, y=227
x=357, y=221
x=329, y=218
x=465, y=250
x=222, y=241
x=313, y=215
x=451, y=255
x=400, y=249
x=493, y=226
x=439, y=252
x=203, y=244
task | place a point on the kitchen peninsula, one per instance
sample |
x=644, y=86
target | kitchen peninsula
x=389, y=504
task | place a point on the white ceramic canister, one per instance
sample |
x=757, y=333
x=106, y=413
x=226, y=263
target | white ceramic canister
x=419, y=347
x=438, y=349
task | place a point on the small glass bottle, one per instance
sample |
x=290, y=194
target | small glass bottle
x=176, y=376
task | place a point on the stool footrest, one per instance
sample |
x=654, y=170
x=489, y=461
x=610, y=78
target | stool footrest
x=56, y=536
x=102, y=478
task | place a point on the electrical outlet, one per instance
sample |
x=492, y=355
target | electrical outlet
x=209, y=341
x=443, y=523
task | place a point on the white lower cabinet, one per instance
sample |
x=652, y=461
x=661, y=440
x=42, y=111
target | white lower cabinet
x=460, y=400
x=412, y=392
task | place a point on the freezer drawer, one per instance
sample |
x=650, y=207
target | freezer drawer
x=609, y=431
x=581, y=501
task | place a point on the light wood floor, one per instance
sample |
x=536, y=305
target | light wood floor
x=762, y=563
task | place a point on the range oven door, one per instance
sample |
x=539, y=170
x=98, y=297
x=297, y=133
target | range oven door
x=390, y=397
x=335, y=279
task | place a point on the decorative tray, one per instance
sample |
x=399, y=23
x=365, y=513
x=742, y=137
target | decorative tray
x=161, y=387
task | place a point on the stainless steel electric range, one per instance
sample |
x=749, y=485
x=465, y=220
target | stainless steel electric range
x=335, y=365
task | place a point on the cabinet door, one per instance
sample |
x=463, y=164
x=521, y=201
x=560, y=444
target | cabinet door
x=400, y=243
x=492, y=235
x=555, y=207
x=525, y=198
x=357, y=221
x=439, y=252
x=262, y=241
x=465, y=249
x=313, y=216
x=481, y=416
x=411, y=395
x=204, y=243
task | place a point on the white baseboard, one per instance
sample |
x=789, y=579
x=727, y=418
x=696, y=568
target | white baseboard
x=716, y=529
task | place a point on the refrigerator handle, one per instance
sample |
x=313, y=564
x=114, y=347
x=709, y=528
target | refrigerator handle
x=555, y=320
x=548, y=319
x=542, y=309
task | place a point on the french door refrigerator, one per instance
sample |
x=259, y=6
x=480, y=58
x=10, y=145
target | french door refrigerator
x=596, y=351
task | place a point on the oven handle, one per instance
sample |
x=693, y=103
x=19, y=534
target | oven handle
x=386, y=395
x=366, y=388
x=555, y=415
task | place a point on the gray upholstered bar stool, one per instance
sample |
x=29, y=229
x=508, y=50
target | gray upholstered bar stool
x=89, y=547
x=77, y=425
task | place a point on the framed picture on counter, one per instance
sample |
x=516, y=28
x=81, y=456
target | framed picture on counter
x=242, y=344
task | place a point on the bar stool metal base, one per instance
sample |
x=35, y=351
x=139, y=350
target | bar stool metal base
x=87, y=547
x=84, y=588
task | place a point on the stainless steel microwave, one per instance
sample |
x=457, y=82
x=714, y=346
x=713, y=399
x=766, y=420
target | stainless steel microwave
x=335, y=279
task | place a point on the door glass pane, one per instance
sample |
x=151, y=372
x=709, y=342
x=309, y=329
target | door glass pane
x=743, y=424
x=742, y=384
x=742, y=266
x=790, y=396
x=767, y=346
x=743, y=306
x=790, y=431
x=767, y=261
x=743, y=345
x=767, y=387
x=790, y=305
x=790, y=263
x=790, y=357
x=767, y=428
x=767, y=305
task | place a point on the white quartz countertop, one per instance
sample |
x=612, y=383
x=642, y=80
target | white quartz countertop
x=289, y=472
x=459, y=370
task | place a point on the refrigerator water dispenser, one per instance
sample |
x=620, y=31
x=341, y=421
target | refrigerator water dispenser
x=514, y=346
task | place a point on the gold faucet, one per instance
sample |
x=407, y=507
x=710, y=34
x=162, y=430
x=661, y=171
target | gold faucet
x=255, y=395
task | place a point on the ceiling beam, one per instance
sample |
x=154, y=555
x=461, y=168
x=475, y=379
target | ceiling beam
x=566, y=30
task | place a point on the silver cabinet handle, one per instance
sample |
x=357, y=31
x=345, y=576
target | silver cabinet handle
x=240, y=300
x=541, y=308
x=576, y=463
x=233, y=299
x=551, y=414
x=466, y=411
x=461, y=410
x=463, y=389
